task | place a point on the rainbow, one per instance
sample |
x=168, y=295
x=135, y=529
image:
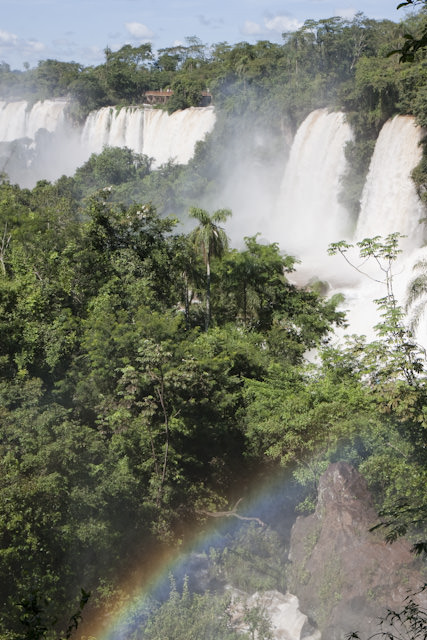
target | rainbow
x=148, y=585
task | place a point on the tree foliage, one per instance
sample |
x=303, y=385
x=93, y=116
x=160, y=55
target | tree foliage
x=147, y=373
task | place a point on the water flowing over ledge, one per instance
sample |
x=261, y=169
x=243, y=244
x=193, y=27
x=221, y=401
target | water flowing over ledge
x=52, y=145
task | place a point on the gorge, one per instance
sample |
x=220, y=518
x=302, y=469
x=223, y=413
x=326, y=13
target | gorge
x=212, y=479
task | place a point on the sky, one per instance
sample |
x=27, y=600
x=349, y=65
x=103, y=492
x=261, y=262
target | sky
x=79, y=30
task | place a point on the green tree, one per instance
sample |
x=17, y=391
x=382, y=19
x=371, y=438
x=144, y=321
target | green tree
x=412, y=43
x=416, y=295
x=211, y=240
x=188, y=616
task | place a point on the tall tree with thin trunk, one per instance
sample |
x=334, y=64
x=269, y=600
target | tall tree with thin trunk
x=211, y=240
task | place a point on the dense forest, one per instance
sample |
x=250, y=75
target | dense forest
x=150, y=373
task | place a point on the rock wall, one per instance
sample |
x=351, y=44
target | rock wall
x=344, y=575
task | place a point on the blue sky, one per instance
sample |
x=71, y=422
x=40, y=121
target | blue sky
x=32, y=30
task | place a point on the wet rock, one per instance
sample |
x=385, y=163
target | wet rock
x=344, y=575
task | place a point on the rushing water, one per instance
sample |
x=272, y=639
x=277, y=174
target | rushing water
x=146, y=130
x=150, y=131
x=20, y=120
x=389, y=201
x=309, y=215
x=309, y=206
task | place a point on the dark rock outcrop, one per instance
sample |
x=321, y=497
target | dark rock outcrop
x=344, y=575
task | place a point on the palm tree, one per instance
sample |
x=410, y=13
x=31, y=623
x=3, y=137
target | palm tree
x=210, y=240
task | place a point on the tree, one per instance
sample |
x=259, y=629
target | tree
x=395, y=365
x=417, y=294
x=212, y=241
x=408, y=623
x=412, y=43
x=398, y=353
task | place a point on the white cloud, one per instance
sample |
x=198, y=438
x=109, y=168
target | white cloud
x=279, y=24
x=272, y=25
x=11, y=44
x=346, y=13
x=139, y=31
x=252, y=28
x=8, y=39
x=34, y=45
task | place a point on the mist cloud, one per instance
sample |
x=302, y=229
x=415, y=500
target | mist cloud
x=139, y=31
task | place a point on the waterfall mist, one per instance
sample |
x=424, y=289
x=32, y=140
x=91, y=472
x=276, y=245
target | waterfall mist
x=287, y=191
x=252, y=166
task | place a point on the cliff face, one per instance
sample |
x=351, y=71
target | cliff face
x=344, y=576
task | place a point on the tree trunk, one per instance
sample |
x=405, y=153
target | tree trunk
x=208, y=294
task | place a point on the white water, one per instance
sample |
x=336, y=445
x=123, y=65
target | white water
x=311, y=215
x=175, y=136
x=17, y=120
x=152, y=132
x=286, y=619
x=145, y=130
x=389, y=202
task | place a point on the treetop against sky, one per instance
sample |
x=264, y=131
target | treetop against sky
x=79, y=30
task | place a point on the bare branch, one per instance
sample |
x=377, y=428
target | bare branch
x=232, y=513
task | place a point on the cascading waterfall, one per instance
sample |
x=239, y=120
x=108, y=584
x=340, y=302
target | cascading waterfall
x=175, y=136
x=36, y=142
x=17, y=120
x=114, y=128
x=143, y=129
x=152, y=132
x=310, y=213
x=389, y=202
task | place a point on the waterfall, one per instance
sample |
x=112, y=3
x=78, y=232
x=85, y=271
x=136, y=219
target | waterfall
x=175, y=136
x=113, y=128
x=310, y=213
x=389, y=204
x=150, y=131
x=389, y=200
x=143, y=129
x=17, y=120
